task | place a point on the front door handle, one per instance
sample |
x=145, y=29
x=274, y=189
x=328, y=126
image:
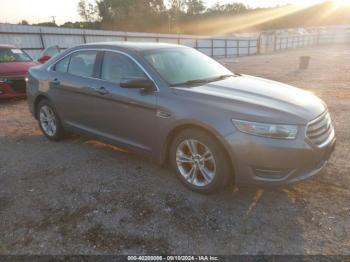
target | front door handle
x=56, y=82
x=101, y=90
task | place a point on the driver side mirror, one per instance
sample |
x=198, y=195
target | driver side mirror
x=142, y=83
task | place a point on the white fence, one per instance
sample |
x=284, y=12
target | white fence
x=34, y=39
x=296, y=38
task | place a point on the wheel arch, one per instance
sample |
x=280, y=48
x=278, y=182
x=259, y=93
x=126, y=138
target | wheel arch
x=210, y=131
x=37, y=100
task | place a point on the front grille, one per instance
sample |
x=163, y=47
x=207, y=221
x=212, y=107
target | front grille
x=18, y=85
x=320, y=129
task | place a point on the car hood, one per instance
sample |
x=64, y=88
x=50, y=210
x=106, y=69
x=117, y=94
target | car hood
x=16, y=68
x=257, y=99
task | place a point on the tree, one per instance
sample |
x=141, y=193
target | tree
x=228, y=9
x=157, y=6
x=87, y=11
x=235, y=8
x=195, y=7
x=104, y=8
x=23, y=22
x=176, y=13
x=51, y=24
x=192, y=16
x=134, y=15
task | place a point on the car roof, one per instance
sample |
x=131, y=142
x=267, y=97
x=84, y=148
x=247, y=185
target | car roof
x=124, y=46
x=136, y=46
x=7, y=46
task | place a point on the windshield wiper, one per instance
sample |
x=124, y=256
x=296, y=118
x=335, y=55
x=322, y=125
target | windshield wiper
x=203, y=81
x=221, y=77
x=191, y=82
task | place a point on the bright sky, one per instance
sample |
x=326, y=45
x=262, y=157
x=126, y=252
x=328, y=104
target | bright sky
x=34, y=11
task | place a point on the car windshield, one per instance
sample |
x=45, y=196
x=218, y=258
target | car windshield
x=185, y=66
x=13, y=55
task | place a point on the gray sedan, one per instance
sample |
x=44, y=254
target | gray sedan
x=178, y=106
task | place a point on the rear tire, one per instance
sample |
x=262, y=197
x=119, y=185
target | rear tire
x=199, y=161
x=49, y=121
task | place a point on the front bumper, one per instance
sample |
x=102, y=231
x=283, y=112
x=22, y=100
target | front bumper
x=263, y=161
x=13, y=88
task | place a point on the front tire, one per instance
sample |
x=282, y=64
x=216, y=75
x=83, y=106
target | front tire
x=49, y=121
x=200, y=162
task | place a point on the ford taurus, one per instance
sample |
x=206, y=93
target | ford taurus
x=178, y=106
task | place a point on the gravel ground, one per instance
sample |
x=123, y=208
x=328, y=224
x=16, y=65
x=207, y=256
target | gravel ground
x=80, y=196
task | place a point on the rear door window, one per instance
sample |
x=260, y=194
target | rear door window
x=82, y=63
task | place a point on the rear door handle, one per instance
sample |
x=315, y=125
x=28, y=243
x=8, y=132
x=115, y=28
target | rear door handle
x=101, y=90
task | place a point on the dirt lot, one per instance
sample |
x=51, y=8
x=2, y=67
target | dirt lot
x=83, y=197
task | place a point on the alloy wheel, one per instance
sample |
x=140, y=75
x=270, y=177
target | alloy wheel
x=48, y=120
x=195, y=162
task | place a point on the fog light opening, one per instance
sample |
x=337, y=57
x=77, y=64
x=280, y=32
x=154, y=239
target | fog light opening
x=271, y=173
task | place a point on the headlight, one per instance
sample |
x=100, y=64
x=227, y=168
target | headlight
x=3, y=80
x=267, y=130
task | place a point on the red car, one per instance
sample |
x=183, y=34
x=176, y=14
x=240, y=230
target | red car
x=14, y=66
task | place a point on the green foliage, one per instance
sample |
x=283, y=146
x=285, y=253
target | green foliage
x=195, y=7
x=132, y=15
x=87, y=11
x=183, y=16
x=51, y=24
x=82, y=25
x=23, y=22
x=228, y=9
